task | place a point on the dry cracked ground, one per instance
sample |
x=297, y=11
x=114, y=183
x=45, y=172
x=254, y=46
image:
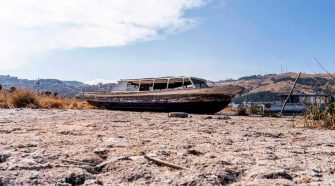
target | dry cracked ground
x=97, y=147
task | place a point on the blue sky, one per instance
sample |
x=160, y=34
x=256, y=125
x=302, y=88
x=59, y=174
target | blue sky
x=226, y=39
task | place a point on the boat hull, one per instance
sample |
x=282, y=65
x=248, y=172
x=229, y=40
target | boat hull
x=198, y=101
x=189, y=107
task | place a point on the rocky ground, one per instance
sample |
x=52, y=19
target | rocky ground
x=95, y=147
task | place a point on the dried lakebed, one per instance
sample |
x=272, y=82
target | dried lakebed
x=97, y=147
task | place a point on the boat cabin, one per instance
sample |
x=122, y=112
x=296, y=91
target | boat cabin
x=307, y=99
x=158, y=84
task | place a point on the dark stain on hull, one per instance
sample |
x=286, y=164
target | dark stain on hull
x=189, y=107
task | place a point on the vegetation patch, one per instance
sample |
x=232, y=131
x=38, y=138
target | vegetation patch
x=320, y=118
x=24, y=98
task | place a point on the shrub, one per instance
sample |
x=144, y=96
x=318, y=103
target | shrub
x=317, y=118
x=24, y=99
x=242, y=112
x=12, y=89
x=254, y=110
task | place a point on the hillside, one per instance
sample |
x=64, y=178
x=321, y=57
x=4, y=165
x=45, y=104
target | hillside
x=265, y=88
x=62, y=88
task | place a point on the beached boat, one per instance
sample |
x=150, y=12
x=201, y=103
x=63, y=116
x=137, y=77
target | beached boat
x=297, y=104
x=165, y=94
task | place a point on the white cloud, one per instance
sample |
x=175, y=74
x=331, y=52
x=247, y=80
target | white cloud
x=28, y=27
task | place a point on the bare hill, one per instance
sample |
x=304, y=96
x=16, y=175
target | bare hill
x=307, y=84
x=67, y=89
x=266, y=88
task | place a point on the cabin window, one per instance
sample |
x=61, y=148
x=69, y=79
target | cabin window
x=160, y=84
x=199, y=83
x=145, y=87
x=132, y=87
x=176, y=83
x=187, y=83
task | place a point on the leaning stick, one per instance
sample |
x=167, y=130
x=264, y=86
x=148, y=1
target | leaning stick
x=76, y=162
x=289, y=95
x=161, y=162
x=102, y=165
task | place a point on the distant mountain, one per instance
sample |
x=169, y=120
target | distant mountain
x=62, y=88
x=267, y=87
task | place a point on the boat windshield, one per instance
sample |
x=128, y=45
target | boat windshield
x=160, y=84
x=199, y=83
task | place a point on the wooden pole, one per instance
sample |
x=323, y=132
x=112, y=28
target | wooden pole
x=289, y=95
x=316, y=59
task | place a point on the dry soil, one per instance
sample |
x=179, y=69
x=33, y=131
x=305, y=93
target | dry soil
x=65, y=147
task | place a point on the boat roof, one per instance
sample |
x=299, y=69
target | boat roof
x=162, y=78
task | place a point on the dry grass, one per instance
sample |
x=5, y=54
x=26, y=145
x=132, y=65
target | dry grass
x=316, y=118
x=22, y=98
x=230, y=110
x=242, y=112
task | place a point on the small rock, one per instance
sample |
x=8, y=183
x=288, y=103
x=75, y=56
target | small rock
x=165, y=153
x=278, y=174
x=28, y=161
x=4, y=156
x=34, y=176
x=54, y=156
x=137, y=175
x=28, y=145
x=184, y=154
x=92, y=182
x=36, y=156
x=4, y=181
x=223, y=162
x=228, y=177
x=229, y=142
x=101, y=151
x=194, y=152
x=317, y=173
x=224, y=118
x=76, y=177
x=63, y=184
x=178, y=114
x=212, y=156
